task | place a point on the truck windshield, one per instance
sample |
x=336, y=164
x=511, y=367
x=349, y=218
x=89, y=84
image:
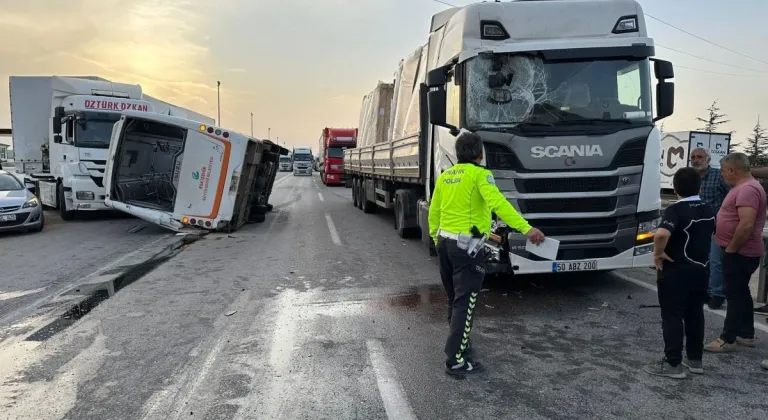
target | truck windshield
x=96, y=131
x=302, y=158
x=284, y=159
x=513, y=89
x=336, y=152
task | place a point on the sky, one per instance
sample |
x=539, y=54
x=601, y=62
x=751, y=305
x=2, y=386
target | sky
x=301, y=65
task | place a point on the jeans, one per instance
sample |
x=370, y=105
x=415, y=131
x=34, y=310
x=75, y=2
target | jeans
x=462, y=278
x=715, y=270
x=739, y=318
x=682, y=290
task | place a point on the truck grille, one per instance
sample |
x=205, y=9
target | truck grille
x=571, y=205
x=500, y=157
x=559, y=185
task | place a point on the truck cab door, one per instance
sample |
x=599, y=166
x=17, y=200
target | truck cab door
x=114, y=145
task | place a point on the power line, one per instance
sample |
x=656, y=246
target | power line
x=704, y=39
x=716, y=72
x=708, y=59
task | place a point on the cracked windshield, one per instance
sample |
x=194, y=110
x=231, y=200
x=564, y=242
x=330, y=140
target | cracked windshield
x=390, y=209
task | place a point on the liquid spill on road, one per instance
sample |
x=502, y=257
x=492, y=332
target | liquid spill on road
x=97, y=293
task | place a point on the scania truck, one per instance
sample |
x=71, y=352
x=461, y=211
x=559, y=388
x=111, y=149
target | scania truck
x=561, y=94
x=61, y=132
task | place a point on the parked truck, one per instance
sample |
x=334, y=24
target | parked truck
x=61, y=132
x=565, y=113
x=332, y=143
x=182, y=175
x=676, y=151
x=286, y=163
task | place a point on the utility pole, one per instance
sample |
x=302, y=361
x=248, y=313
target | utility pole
x=269, y=134
x=251, y=124
x=218, y=101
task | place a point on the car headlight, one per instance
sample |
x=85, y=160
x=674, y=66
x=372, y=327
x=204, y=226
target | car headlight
x=646, y=230
x=31, y=203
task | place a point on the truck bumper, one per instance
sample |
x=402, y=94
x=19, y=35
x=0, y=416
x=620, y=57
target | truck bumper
x=85, y=185
x=626, y=259
x=335, y=178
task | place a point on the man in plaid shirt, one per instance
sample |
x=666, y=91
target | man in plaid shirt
x=713, y=192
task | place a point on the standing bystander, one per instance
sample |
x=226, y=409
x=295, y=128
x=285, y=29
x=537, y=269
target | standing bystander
x=681, y=256
x=739, y=232
x=713, y=192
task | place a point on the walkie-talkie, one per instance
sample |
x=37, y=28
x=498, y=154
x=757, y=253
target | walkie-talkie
x=472, y=251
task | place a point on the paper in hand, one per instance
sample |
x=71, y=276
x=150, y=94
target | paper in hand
x=547, y=249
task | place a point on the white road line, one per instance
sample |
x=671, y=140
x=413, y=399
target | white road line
x=392, y=393
x=321, y=196
x=758, y=326
x=20, y=293
x=334, y=233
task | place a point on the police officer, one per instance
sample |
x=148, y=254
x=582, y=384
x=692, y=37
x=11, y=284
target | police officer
x=464, y=197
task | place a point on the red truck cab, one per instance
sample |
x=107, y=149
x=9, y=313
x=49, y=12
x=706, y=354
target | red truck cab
x=333, y=142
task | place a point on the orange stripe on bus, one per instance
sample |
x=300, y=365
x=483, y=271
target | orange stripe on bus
x=222, y=179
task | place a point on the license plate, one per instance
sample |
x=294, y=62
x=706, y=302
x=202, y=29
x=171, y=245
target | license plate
x=589, y=265
x=7, y=218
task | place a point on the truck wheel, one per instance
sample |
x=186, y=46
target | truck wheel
x=368, y=206
x=270, y=207
x=348, y=183
x=354, y=192
x=65, y=214
x=360, y=193
x=403, y=202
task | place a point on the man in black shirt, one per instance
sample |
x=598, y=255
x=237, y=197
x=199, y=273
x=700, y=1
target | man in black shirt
x=681, y=254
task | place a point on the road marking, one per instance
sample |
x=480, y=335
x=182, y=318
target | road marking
x=392, y=393
x=321, y=196
x=20, y=293
x=720, y=312
x=334, y=233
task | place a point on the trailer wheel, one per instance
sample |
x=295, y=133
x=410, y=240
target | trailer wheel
x=354, y=192
x=348, y=183
x=62, y=202
x=360, y=193
x=404, y=203
x=368, y=206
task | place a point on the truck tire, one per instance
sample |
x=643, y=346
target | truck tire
x=348, y=183
x=354, y=192
x=62, y=202
x=405, y=208
x=360, y=193
x=270, y=207
x=368, y=206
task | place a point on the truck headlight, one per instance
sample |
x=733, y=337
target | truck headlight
x=85, y=195
x=31, y=203
x=646, y=231
x=337, y=167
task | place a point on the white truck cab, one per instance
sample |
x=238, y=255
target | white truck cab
x=302, y=161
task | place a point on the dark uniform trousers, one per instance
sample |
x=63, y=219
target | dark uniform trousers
x=462, y=278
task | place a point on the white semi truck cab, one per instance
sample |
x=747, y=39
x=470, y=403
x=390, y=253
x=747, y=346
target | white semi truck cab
x=561, y=93
x=61, y=130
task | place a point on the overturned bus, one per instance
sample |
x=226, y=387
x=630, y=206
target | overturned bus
x=182, y=174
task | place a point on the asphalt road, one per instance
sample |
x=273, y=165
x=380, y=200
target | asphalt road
x=322, y=312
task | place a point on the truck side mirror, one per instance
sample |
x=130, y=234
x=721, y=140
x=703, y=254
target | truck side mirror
x=665, y=91
x=437, y=98
x=57, y=138
x=58, y=114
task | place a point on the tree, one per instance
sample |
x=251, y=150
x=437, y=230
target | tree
x=756, y=145
x=714, y=119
